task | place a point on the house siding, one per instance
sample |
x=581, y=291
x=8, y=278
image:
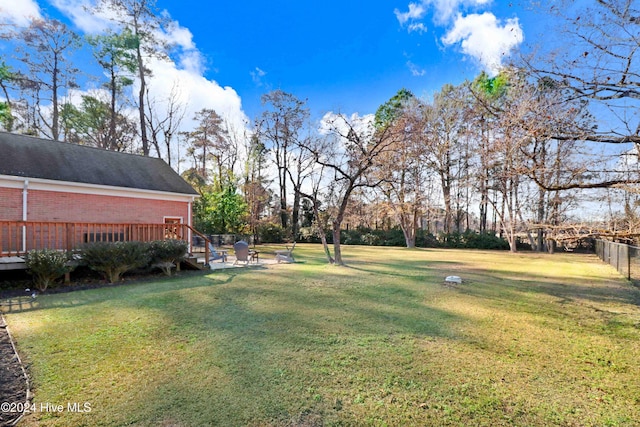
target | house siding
x=76, y=207
x=10, y=204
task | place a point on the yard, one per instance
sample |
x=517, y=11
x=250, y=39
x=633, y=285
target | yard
x=527, y=340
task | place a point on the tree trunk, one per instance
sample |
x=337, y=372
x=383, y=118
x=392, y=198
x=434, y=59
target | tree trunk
x=112, y=119
x=321, y=231
x=409, y=227
x=143, y=89
x=55, y=130
x=337, y=252
x=295, y=213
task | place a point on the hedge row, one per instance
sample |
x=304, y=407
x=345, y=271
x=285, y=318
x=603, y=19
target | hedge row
x=111, y=259
x=395, y=237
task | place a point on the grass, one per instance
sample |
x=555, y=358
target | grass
x=527, y=340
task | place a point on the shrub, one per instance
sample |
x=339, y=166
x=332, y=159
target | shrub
x=165, y=254
x=270, y=233
x=308, y=235
x=394, y=237
x=351, y=237
x=426, y=240
x=115, y=259
x=475, y=240
x=46, y=266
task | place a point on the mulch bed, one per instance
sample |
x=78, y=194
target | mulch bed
x=14, y=385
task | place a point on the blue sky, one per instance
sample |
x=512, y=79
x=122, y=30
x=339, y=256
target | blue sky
x=343, y=56
x=347, y=56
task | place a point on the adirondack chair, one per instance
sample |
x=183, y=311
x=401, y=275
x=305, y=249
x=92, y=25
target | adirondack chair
x=243, y=254
x=286, y=255
x=214, y=254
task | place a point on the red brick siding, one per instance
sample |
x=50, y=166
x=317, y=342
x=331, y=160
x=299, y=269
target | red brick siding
x=11, y=204
x=72, y=207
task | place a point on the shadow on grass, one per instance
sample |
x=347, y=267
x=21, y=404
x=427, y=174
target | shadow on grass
x=265, y=337
x=516, y=289
x=268, y=340
x=114, y=291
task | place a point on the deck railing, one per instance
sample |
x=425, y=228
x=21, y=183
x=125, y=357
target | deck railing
x=19, y=237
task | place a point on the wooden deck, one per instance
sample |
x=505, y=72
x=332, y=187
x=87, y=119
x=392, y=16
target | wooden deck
x=19, y=237
x=12, y=263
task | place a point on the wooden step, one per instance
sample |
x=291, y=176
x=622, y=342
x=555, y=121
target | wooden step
x=193, y=263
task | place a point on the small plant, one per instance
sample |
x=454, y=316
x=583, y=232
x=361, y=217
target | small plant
x=165, y=254
x=115, y=259
x=46, y=266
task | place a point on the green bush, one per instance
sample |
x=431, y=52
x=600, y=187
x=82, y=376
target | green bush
x=475, y=240
x=426, y=240
x=308, y=235
x=115, y=259
x=46, y=266
x=351, y=237
x=165, y=254
x=270, y=233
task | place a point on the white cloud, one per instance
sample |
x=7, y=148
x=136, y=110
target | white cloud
x=82, y=15
x=444, y=10
x=180, y=36
x=196, y=92
x=415, y=70
x=19, y=12
x=485, y=39
x=257, y=75
x=416, y=11
x=417, y=27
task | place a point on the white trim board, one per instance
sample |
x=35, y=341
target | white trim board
x=8, y=181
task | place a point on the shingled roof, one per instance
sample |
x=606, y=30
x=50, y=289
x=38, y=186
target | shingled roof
x=30, y=157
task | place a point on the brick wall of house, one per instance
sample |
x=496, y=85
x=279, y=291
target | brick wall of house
x=72, y=207
x=11, y=204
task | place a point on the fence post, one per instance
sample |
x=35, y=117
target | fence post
x=69, y=233
x=628, y=262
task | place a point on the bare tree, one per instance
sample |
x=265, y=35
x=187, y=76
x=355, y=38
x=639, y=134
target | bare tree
x=281, y=126
x=349, y=153
x=601, y=64
x=164, y=125
x=402, y=167
x=445, y=136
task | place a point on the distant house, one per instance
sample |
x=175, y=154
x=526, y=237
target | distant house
x=50, y=181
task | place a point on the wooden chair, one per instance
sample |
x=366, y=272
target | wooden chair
x=214, y=254
x=286, y=255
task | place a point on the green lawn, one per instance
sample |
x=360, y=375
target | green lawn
x=527, y=340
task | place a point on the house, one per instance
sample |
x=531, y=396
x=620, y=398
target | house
x=97, y=194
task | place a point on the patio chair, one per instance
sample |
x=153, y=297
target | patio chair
x=286, y=255
x=214, y=254
x=242, y=251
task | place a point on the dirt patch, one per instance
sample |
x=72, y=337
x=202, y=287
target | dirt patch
x=14, y=385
